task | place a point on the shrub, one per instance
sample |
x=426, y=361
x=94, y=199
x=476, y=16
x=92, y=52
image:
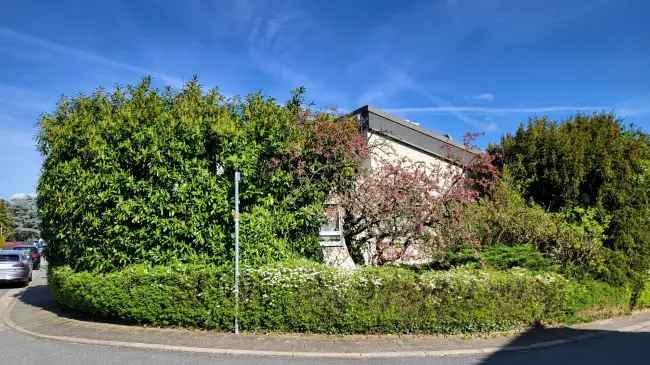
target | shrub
x=631, y=243
x=308, y=297
x=141, y=175
x=592, y=162
x=6, y=223
x=504, y=217
x=525, y=256
x=643, y=301
x=589, y=299
x=586, y=160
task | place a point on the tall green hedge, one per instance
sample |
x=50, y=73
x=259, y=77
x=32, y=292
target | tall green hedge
x=307, y=297
x=140, y=175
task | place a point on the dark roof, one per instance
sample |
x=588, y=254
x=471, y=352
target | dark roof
x=408, y=133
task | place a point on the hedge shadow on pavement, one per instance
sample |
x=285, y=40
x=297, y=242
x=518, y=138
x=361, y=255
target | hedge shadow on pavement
x=592, y=347
x=40, y=297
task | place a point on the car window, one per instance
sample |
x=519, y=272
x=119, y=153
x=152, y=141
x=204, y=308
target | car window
x=8, y=258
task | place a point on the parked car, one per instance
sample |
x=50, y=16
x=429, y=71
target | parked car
x=15, y=266
x=32, y=251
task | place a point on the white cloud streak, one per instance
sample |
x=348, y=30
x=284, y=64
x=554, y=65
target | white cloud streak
x=86, y=55
x=484, y=97
x=488, y=110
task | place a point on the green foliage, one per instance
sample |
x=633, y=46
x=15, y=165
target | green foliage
x=583, y=161
x=144, y=176
x=596, y=173
x=24, y=218
x=506, y=218
x=308, y=297
x=631, y=244
x=264, y=231
x=643, y=300
x=461, y=256
x=6, y=222
x=589, y=299
x=525, y=256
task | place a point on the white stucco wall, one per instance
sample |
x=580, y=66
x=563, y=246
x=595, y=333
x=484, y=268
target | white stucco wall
x=385, y=149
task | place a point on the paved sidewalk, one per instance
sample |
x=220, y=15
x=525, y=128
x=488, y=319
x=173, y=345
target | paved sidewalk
x=32, y=311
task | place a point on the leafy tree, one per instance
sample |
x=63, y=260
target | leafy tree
x=402, y=208
x=143, y=175
x=596, y=172
x=6, y=222
x=26, y=223
x=583, y=161
x=629, y=235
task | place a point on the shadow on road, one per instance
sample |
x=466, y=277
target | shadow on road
x=10, y=285
x=596, y=347
x=39, y=296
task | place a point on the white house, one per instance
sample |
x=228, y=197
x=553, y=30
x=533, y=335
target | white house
x=399, y=138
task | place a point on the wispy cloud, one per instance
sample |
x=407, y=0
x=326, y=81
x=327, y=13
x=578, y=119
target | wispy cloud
x=86, y=55
x=265, y=47
x=273, y=46
x=484, y=97
x=488, y=110
x=395, y=81
x=399, y=81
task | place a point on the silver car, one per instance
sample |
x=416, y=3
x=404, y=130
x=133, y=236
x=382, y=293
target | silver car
x=15, y=266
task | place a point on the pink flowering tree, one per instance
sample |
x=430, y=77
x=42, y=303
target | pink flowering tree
x=404, y=211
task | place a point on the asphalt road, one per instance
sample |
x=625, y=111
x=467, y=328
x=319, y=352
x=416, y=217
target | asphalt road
x=615, y=348
x=18, y=349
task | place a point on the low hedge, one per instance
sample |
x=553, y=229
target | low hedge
x=308, y=297
x=589, y=299
x=644, y=298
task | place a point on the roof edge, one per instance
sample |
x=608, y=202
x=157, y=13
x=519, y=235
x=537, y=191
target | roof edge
x=404, y=123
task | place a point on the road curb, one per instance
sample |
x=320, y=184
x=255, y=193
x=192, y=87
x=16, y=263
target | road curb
x=9, y=300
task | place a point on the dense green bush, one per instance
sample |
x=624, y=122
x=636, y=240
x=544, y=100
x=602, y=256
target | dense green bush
x=589, y=299
x=141, y=175
x=505, y=218
x=307, y=297
x=643, y=300
x=525, y=256
x=586, y=160
x=598, y=168
x=6, y=222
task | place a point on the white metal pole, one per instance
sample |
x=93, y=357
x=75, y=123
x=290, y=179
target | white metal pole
x=237, y=252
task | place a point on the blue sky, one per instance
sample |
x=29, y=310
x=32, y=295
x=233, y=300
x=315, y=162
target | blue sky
x=454, y=66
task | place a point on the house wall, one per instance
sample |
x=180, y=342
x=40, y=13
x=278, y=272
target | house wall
x=385, y=149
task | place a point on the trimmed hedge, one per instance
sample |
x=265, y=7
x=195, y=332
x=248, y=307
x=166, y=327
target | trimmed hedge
x=307, y=297
x=644, y=297
x=590, y=299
